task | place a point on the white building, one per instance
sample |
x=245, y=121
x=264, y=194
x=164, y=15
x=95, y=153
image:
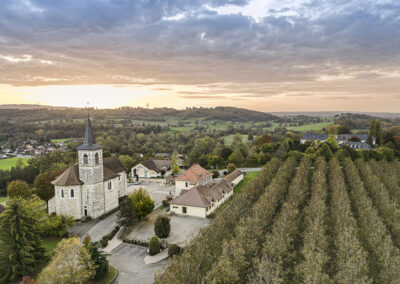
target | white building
x=151, y=168
x=91, y=187
x=201, y=200
x=195, y=175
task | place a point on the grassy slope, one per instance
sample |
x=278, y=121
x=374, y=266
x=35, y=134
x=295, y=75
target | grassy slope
x=247, y=178
x=50, y=244
x=228, y=139
x=315, y=126
x=7, y=164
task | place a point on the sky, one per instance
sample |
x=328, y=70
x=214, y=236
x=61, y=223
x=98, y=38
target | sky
x=266, y=55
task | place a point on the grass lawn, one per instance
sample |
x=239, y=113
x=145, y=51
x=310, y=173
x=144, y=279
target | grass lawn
x=7, y=164
x=63, y=140
x=3, y=200
x=50, y=244
x=112, y=272
x=228, y=139
x=314, y=126
x=247, y=178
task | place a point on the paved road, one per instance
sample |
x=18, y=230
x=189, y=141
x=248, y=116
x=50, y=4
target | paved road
x=95, y=228
x=129, y=260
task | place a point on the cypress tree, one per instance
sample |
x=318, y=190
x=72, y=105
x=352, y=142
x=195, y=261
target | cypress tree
x=378, y=132
x=21, y=252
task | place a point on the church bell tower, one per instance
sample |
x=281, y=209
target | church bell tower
x=90, y=157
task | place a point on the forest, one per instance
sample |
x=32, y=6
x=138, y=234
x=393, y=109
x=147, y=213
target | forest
x=321, y=221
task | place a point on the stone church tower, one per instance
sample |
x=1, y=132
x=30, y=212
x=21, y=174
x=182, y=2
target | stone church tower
x=90, y=158
x=92, y=187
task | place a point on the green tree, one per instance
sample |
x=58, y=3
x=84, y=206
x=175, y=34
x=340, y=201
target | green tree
x=154, y=245
x=326, y=152
x=332, y=141
x=238, y=138
x=214, y=161
x=231, y=167
x=372, y=128
x=127, y=161
x=21, y=252
x=250, y=137
x=71, y=263
x=43, y=188
x=142, y=203
x=19, y=188
x=99, y=260
x=162, y=227
x=173, y=249
x=378, y=132
x=175, y=167
x=236, y=157
x=20, y=164
x=126, y=213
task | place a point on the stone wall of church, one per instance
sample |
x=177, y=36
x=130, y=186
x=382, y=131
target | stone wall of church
x=122, y=184
x=67, y=201
x=111, y=195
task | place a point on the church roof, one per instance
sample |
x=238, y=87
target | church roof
x=111, y=167
x=69, y=177
x=113, y=164
x=90, y=142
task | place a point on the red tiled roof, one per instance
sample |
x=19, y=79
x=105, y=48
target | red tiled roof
x=194, y=174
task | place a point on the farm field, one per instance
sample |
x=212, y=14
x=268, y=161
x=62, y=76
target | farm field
x=228, y=139
x=63, y=140
x=7, y=164
x=306, y=222
x=309, y=127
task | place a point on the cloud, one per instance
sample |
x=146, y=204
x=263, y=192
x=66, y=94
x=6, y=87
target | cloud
x=251, y=49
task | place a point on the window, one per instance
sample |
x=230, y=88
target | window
x=85, y=159
x=72, y=195
x=109, y=185
x=175, y=207
x=184, y=210
x=62, y=193
x=186, y=184
x=96, y=158
x=119, y=178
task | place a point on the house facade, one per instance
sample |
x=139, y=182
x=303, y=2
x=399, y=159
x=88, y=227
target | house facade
x=201, y=200
x=151, y=168
x=92, y=187
x=195, y=175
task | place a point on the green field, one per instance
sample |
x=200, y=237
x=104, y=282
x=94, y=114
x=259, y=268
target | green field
x=309, y=127
x=63, y=140
x=3, y=200
x=50, y=244
x=7, y=164
x=228, y=139
x=247, y=178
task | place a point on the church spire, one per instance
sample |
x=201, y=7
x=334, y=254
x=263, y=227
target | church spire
x=89, y=136
x=90, y=141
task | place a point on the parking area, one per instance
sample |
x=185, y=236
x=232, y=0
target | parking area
x=129, y=260
x=156, y=191
x=183, y=228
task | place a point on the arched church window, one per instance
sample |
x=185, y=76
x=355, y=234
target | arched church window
x=72, y=193
x=109, y=185
x=85, y=159
x=96, y=159
x=62, y=193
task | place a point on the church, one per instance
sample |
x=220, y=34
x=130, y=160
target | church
x=92, y=187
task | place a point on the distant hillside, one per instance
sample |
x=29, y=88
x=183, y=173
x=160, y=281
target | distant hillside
x=389, y=115
x=28, y=106
x=31, y=113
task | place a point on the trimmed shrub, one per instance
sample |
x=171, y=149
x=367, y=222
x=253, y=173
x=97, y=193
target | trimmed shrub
x=173, y=250
x=154, y=246
x=162, y=227
x=165, y=203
